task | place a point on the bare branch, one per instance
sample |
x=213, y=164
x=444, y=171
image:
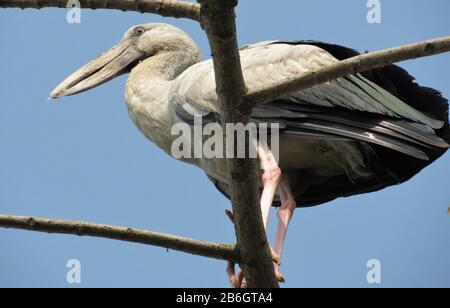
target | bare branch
x=195, y=247
x=168, y=8
x=347, y=67
x=218, y=20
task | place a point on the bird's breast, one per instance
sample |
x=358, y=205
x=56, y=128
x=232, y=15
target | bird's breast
x=149, y=111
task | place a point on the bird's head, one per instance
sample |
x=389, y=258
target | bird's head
x=139, y=43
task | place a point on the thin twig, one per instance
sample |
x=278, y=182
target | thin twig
x=168, y=8
x=205, y=249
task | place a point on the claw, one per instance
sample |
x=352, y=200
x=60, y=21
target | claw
x=230, y=215
x=240, y=279
x=275, y=257
x=279, y=277
x=232, y=275
x=236, y=281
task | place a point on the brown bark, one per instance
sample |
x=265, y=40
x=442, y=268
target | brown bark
x=205, y=249
x=172, y=8
x=218, y=20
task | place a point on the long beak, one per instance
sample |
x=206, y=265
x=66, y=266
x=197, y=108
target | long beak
x=107, y=66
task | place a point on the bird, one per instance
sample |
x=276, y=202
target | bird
x=357, y=134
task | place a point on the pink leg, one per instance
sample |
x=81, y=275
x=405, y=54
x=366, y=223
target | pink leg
x=231, y=273
x=236, y=280
x=285, y=213
x=271, y=179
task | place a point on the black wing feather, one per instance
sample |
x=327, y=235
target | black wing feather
x=394, y=165
x=394, y=149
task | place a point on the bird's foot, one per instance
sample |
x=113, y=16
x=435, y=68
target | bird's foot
x=275, y=257
x=278, y=275
x=276, y=264
x=230, y=215
x=237, y=280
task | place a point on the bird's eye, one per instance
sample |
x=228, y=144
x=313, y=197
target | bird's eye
x=139, y=31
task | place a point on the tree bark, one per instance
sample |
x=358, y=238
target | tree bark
x=195, y=247
x=218, y=20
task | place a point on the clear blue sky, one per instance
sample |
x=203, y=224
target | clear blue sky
x=82, y=158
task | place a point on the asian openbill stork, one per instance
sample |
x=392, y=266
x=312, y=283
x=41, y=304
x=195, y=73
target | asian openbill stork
x=354, y=135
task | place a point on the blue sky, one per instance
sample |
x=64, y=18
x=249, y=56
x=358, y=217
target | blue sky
x=82, y=158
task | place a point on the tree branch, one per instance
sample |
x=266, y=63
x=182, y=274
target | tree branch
x=168, y=8
x=195, y=247
x=218, y=20
x=347, y=67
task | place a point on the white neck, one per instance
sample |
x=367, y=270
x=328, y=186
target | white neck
x=147, y=92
